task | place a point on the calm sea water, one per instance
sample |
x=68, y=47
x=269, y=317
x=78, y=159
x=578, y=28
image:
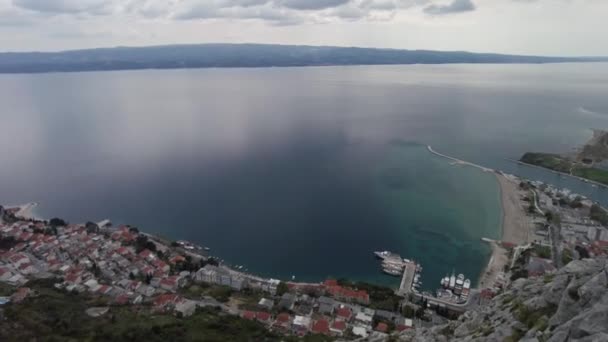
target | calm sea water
x=296, y=171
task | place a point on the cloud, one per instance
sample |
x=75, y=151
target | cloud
x=456, y=6
x=66, y=6
x=311, y=4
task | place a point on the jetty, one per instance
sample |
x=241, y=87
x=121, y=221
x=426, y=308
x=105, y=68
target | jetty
x=407, y=280
x=459, y=161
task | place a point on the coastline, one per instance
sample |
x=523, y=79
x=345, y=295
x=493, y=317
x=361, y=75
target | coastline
x=515, y=225
x=584, y=180
x=515, y=230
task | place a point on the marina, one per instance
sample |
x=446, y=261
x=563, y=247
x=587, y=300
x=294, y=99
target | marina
x=455, y=289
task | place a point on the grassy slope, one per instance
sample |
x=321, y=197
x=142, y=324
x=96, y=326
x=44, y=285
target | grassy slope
x=58, y=316
x=557, y=163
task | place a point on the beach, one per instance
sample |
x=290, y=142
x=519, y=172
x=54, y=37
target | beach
x=516, y=229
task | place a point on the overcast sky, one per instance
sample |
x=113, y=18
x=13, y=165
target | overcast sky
x=542, y=27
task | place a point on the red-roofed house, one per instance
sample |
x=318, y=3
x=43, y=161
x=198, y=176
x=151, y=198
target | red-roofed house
x=166, y=301
x=171, y=283
x=104, y=289
x=161, y=266
x=263, y=317
x=73, y=278
x=282, y=322
x=330, y=282
x=123, y=299
x=250, y=315
x=5, y=274
x=147, y=255
x=177, y=259
x=344, y=313
x=347, y=294
x=382, y=327
x=321, y=327
x=338, y=327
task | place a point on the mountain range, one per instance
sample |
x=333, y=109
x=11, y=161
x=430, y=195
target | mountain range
x=246, y=55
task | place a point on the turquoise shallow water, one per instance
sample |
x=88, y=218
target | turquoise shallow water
x=440, y=210
x=296, y=171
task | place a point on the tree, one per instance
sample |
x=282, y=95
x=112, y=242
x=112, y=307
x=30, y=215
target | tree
x=57, y=222
x=408, y=311
x=92, y=228
x=282, y=288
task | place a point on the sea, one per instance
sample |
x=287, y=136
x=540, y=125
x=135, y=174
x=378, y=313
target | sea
x=297, y=173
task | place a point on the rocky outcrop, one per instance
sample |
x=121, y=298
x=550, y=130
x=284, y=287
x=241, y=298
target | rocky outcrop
x=569, y=305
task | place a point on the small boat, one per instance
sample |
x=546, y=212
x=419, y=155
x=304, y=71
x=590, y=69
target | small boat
x=392, y=272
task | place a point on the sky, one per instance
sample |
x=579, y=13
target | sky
x=533, y=27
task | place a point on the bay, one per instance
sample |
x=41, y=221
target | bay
x=297, y=171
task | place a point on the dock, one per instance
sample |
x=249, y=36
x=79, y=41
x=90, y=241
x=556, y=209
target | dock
x=407, y=280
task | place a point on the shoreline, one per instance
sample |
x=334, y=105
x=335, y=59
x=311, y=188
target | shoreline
x=515, y=228
x=584, y=180
x=515, y=224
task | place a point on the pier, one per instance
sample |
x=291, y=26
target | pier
x=458, y=161
x=407, y=280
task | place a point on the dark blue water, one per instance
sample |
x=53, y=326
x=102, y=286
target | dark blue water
x=296, y=171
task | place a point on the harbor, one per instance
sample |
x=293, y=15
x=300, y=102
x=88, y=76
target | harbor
x=454, y=292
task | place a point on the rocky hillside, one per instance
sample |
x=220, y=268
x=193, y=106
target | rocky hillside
x=570, y=305
x=595, y=149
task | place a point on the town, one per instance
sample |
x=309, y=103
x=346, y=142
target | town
x=131, y=268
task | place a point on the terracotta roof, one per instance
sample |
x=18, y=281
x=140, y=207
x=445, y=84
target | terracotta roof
x=344, y=313
x=250, y=315
x=165, y=299
x=382, y=327
x=321, y=327
x=339, y=325
x=262, y=316
x=283, y=317
x=331, y=282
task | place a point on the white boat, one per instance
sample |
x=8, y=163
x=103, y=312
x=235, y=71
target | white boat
x=386, y=255
x=392, y=272
x=445, y=282
x=467, y=284
x=452, y=281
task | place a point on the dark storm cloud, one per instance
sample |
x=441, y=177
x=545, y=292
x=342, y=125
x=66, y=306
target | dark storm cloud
x=456, y=6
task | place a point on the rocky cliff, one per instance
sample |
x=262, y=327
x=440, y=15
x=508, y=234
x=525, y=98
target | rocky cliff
x=570, y=305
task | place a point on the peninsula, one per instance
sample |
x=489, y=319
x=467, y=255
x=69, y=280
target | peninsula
x=584, y=164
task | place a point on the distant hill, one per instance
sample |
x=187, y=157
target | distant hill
x=245, y=55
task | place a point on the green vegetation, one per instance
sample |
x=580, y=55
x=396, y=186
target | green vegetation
x=448, y=330
x=560, y=164
x=596, y=175
x=531, y=318
x=542, y=251
x=547, y=160
x=57, y=222
x=548, y=278
x=60, y=316
x=408, y=311
x=567, y=256
x=380, y=297
x=282, y=289
x=6, y=290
